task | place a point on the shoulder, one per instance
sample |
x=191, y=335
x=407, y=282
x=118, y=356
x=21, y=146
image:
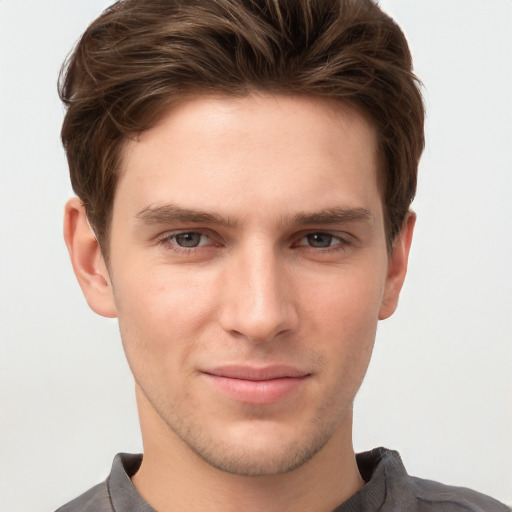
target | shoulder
x=434, y=496
x=96, y=499
x=116, y=493
x=390, y=488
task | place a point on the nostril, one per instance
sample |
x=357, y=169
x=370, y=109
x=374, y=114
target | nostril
x=262, y=326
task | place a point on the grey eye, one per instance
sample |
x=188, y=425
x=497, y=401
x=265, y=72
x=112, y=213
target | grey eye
x=320, y=240
x=188, y=239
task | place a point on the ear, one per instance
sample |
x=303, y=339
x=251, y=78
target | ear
x=87, y=260
x=397, y=267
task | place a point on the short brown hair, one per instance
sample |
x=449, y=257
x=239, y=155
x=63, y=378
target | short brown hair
x=140, y=56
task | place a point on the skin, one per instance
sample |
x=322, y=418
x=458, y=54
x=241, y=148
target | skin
x=250, y=232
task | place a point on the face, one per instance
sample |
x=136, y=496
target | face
x=249, y=268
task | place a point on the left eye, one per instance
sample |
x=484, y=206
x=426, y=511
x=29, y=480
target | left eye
x=320, y=240
x=189, y=239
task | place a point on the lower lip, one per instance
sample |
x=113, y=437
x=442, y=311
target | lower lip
x=257, y=391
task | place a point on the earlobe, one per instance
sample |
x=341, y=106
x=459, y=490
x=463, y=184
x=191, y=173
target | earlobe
x=87, y=260
x=397, y=267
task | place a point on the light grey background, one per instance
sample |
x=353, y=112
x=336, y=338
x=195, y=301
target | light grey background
x=439, y=387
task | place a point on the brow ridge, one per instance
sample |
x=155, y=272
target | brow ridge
x=338, y=215
x=169, y=213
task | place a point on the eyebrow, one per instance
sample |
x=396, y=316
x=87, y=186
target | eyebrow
x=333, y=216
x=170, y=213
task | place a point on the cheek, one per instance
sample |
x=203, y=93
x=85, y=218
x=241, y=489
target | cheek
x=346, y=302
x=161, y=314
x=344, y=315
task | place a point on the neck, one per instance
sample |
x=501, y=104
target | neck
x=173, y=477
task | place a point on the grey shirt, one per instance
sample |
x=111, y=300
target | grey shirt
x=388, y=489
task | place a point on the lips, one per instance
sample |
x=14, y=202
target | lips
x=264, y=385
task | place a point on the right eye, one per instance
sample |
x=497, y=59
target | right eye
x=186, y=240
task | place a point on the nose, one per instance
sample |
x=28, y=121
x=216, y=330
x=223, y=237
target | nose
x=258, y=302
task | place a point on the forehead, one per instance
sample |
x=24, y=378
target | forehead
x=228, y=153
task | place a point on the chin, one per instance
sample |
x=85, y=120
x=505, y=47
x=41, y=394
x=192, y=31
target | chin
x=258, y=463
x=260, y=451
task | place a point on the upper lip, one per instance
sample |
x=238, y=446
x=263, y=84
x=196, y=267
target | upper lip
x=246, y=372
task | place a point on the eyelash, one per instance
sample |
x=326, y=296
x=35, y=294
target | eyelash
x=340, y=245
x=169, y=242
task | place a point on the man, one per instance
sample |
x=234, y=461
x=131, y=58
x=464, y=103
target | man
x=244, y=172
